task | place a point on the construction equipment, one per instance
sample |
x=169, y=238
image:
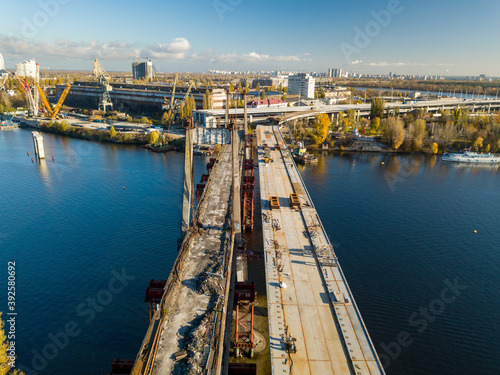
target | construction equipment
x=136, y=56
x=30, y=96
x=294, y=200
x=170, y=107
x=103, y=78
x=45, y=102
x=2, y=83
x=53, y=112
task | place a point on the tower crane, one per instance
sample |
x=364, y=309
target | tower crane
x=103, y=78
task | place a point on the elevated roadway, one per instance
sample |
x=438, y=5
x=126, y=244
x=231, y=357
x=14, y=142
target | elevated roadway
x=215, y=117
x=308, y=295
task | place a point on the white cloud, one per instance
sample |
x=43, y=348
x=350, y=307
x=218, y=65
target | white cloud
x=356, y=62
x=17, y=47
x=177, y=49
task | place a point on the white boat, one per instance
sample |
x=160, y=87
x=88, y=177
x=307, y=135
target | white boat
x=471, y=157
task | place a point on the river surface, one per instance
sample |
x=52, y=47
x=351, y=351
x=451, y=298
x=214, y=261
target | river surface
x=91, y=228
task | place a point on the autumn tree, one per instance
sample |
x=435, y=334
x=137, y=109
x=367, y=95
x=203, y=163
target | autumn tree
x=5, y=360
x=434, y=148
x=375, y=124
x=393, y=131
x=321, y=126
x=153, y=137
x=112, y=132
x=416, y=133
x=263, y=95
x=478, y=143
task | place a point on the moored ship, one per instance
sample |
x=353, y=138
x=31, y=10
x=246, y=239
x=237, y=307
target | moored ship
x=471, y=157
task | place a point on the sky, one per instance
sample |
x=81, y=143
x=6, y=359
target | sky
x=439, y=37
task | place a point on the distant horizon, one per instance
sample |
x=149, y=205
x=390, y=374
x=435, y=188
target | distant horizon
x=367, y=37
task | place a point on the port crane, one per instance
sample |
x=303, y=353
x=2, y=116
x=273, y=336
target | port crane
x=170, y=107
x=103, y=78
x=53, y=112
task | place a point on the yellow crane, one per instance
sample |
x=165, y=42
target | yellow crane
x=53, y=112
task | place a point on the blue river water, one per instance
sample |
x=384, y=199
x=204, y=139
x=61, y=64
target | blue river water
x=91, y=228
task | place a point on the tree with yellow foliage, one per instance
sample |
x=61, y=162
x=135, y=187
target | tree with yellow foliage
x=435, y=148
x=478, y=143
x=321, y=126
x=5, y=368
x=393, y=131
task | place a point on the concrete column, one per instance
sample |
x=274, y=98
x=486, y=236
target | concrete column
x=188, y=179
x=38, y=144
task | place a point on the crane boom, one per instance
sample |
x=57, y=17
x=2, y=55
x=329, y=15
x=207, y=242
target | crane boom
x=104, y=86
x=61, y=101
x=44, y=100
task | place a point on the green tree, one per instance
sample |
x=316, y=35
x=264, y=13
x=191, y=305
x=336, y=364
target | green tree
x=393, y=131
x=420, y=112
x=456, y=114
x=315, y=94
x=351, y=115
x=263, y=95
x=375, y=124
x=112, y=132
x=257, y=87
x=207, y=100
x=283, y=97
x=377, y=108
x=231, y=87
x=322, y=93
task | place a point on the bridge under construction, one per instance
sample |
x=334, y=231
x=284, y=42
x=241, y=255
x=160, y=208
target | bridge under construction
x=202, y=317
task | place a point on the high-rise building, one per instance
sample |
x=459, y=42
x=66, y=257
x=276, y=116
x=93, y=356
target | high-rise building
x=27, y=69
x=142, y=70
x=301, y=84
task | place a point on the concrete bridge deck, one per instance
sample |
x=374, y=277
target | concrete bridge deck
x=316, y=306
x=190, y=314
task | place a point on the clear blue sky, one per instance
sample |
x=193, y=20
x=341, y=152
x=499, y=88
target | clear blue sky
x=421, y=36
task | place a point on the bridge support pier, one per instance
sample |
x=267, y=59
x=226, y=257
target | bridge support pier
x=38, y=144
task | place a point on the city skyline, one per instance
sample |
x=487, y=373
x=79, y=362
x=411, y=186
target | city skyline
x=398, y=36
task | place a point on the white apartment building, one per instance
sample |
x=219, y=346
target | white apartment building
x=301, y=84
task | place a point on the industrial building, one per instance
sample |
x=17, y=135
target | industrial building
x=301, y=84
x=136, y=98
x=270, y=81
x=27, y=69
x=142, y=70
